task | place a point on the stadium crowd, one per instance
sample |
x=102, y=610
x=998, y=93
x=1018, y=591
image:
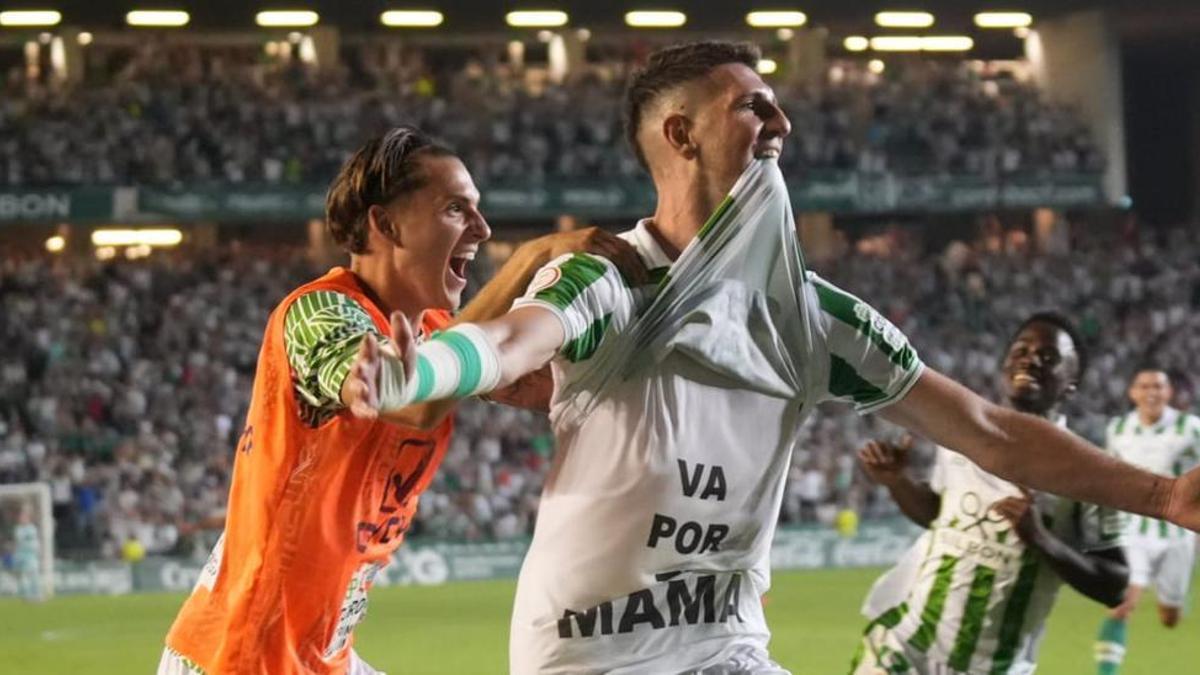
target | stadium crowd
x=186, y=115
x=123, y=384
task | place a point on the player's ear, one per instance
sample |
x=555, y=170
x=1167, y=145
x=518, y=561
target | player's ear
x=381, y=222
x=677, y=130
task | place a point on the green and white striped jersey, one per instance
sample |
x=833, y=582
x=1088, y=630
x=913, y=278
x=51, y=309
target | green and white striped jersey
x=981, y=597
x=1169, y=447
x=871, y=363
x=652, y=546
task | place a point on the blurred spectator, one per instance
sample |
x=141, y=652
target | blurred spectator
x=182, y=114
x=125, y=383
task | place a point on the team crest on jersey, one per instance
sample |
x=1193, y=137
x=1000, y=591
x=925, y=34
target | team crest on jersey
x=886, y=329
x=545, y=279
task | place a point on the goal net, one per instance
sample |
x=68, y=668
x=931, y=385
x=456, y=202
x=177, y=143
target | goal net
x=26, y=541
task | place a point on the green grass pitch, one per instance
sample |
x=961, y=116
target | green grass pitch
x=461, y=629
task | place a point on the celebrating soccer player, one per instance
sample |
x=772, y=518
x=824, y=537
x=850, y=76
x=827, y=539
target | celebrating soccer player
x=676, y=405
x=1166, y=441
x=321, y=498
x=990, y=567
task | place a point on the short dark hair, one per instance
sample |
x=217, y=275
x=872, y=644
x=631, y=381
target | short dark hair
x=383, y=169
x=1067, y=326
x=670, y=67
x=1149, y=366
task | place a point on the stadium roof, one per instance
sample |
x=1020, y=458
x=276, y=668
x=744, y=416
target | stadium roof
x=488, y=15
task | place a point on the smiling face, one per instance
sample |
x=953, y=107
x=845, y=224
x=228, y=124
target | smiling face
x=739, y=120
x=1040, y=369
x=1150, y=392
x=437, y=230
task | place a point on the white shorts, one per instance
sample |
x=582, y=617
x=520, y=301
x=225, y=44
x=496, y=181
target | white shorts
x=744, y=661
x=1165, y=564
x=173, y=664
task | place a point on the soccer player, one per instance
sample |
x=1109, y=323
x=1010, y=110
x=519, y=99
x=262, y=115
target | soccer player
x=321, y=499
x=996, y=553
x=651, y=548
x=27, y=555
x=1166, y=441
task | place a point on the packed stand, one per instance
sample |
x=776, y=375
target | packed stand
x=179, y=115
x=124, y=385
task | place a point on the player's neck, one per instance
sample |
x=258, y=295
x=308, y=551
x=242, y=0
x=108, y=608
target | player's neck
x=680, y=215
x=1049, y=414
x=377, y=278
x=1149, y=418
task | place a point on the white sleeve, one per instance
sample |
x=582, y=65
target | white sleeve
x=583, y=291
x=871, y=363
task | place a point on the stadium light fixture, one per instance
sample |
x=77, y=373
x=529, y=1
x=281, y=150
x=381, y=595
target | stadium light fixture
x=294, y=18
x=876, y=66
x=856, y=43
x=896, y=43
x=904, y=19
x=411, y=18
x=946, y=43
x=1003, y=19
x=151, y=237
x=767, y=66
x=774, y=19
x=157, y=18
x=56, y=244
x=536, y=18
x=85, y=38
x=655, y=19
x=26, y=18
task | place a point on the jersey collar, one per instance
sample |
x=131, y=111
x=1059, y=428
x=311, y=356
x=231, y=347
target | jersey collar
x=1167, y=419
x=647, y=246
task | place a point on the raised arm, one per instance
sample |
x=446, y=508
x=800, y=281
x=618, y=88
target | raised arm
x=886, y=464
x=496, y=298
x=1028, y=450
x=566, y=310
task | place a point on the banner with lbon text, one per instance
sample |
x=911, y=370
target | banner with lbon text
x=434, y=563
x=842, y=192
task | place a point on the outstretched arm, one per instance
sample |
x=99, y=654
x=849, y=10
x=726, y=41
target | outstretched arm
x=467, y=360
x=1030, y=451
x=496, y=297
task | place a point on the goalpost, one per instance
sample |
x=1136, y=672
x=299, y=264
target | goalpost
x=33, y=498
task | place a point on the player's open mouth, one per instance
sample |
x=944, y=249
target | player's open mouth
x=1025, y=379
x=458, y=265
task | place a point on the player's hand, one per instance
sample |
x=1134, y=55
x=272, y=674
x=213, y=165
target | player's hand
x=885, y=462
x=1183, y=503
x=591, y=240
x=361, y=390
x=1022, y=513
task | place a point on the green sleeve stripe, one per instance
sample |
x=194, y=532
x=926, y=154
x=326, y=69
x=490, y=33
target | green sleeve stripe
x=425, y=377
x=582, y=347
x=1144, y=528
x=973, y=616
x=578, y=272
x=841, y=306
x=1181, y=424
x=469, y=362
x=844, y=382
x=931, y=615
x=889, y=619
x=717, y=215
x=1014, y=614
x=1121, y=425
